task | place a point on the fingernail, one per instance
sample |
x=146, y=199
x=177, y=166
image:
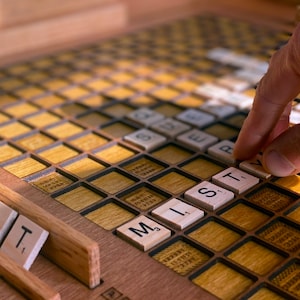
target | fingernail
x=278, y=164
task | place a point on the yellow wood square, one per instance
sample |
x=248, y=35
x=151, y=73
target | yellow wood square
x=295, y=214
x=52, y=182
x=7, y=99
x=168, y=110
x=21, y=109
x=143, y=69
x=29, y=92
x=288, y=279
x=143, y=100
x=110, y=216
x=3, y=118
x=78, y=76
x=94, y=101
x=118, y=110
x=14, y=129
x=43, y=63
x=271, y=199
x=113, y=182
x=265, y=294
x=121, y=77
x=64, y=130
x=49, y=101
x=25, y=167
x=202, y=168
x=164, y=77
x=245, y=216
x=143, y=167
x=18, y=69
x=222, y=132
x=172, y=154
x=118, y=129
x=120, y=93
x=189, y=101
x=236, y=120
x=79, y=198
x=186, y=85
x=100, y=70
x=88, y=141
x=223, y=282
x=42, y=119
x=72, y=109
x=174, y=182
x=256, y=258
x=291, y=183
x=10, y=84
x=58, y=153
x=8, y=152
x=55, y=84
x=99, y=84
x=143, y=85
x=165, y=94
x=35, y=141
x=215, y=236
x=144, y=198
x=114, y=154
x=36, y=76
x=181, y=257
x=84, y=167
x=94, y=119
x=74, y=92
x=123, y=63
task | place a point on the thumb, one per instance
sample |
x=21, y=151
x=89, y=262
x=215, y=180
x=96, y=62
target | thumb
x=282, y=156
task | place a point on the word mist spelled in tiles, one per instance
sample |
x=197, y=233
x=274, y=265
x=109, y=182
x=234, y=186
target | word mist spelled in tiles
x=23, y=239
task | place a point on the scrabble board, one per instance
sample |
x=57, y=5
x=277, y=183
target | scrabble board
x=129, y=142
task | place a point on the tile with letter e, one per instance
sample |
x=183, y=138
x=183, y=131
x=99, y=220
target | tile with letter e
x=235, y=180
x=177, y=213
x=143, y=232
x=197, y=139
x=24, y=241
x=208, y=195
x=7, y=218
x=145, y=139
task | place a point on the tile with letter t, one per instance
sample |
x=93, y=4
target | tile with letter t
x=7, y=218
x=24, y=241
x=143, y=232
x=208, y=195
x=177, y=213
x=235, y=180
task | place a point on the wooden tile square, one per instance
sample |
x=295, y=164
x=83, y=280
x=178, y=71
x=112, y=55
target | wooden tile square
x=94, y=119
x=49, y=101
x=118, y=129
x=13, y=129
x=114, y=154
x=143, y=232
x=58, y=153
x=84, y=167
x=245, y=216
x=72, y=109
x=291, y=183
x=223, y=281
x=88, y=141
x=21, y=109
x=221, y=131
x=265, y=293
x=181, y=257
x=214, y=235
x=113, y=182
x=25, y=167
x=110, y=216
x=24, y=241
x=35, y=141
x=172, y=154
x=256, y=258
x=42, y=119
x=8, y=152
x=79, y=198
x=52, y=182
x=64, y=130
x=174, y=182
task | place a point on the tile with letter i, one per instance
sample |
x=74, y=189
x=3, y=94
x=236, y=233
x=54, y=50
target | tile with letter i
x=235, y=180
x=143, y=232
x=177, y=213
x=24, y=241
x=208, y=195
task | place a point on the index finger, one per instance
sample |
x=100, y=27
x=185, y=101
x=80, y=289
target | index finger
x=276, y=90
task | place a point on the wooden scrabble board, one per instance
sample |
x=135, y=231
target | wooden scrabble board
x=122, y=151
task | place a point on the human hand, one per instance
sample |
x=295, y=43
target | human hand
x=267, y=126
